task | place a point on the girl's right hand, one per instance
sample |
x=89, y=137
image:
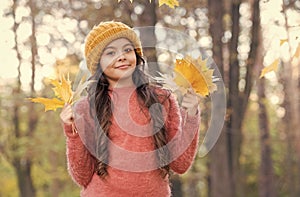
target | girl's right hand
x=67, y=115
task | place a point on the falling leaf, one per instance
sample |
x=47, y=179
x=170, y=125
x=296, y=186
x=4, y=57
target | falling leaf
x=282, y=41
x=63, y=92
x=271, y=67
x=170, y=3
x=50, y=104
x=297, y=53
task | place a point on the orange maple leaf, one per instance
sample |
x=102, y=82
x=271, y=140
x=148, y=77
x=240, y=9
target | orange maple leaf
x=195, y=74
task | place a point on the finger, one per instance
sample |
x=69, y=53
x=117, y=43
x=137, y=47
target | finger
x=191, y=91
x=188, y=106
x=68, y=108
x=192, y=100
x=189, y=103
x=67, y=115
x=72, y=116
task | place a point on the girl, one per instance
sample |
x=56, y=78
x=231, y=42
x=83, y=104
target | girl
x=129, y=134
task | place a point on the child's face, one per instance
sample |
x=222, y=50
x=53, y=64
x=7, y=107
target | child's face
x=118, y=61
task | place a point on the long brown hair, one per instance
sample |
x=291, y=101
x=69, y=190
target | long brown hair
x=100, y=102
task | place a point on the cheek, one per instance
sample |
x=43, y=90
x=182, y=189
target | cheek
x=105, y=62
x=132, y=59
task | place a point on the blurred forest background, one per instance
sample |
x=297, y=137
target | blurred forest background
x=258, y=152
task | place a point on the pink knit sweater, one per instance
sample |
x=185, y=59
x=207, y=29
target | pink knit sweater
x=130, y=174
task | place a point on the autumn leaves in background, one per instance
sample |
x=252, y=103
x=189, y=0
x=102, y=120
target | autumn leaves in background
x=274, y=65
x=170, y=3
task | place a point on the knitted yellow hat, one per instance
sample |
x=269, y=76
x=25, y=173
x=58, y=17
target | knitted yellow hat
x=100, y=36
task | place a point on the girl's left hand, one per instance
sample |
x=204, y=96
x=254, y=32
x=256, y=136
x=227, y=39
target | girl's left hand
x=190, y=103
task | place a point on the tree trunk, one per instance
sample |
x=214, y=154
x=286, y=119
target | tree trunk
x=55, y=184
x=176, y=186
x=191, y=182
x=238, y=99
x=292, y=114
x=234, y=134
x=219, y=170
x=23, y=163
x=216, y=30
x=218, y=179
x=23, y=171
x=266, y=179
x=266, y=185
x=148, y=38
x=291, y=164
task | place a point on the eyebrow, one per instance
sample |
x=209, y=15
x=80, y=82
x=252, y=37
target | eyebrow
x=112, y=47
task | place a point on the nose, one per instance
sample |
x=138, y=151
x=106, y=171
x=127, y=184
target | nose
x=121, y=57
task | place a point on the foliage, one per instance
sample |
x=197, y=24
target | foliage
x=297, y=53
x=270, y=68
x=46, y=148
x=47, y=145
x=63, y=92
x=170, y=3
x=8, y=179
x=274, y=65
x=190, y=73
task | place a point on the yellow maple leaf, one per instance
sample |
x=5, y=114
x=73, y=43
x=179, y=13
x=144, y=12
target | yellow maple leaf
x=50, y=104
x=195, y=74
x=170, y=3
x=272, y=67
x=207, y=74
x=63, y=91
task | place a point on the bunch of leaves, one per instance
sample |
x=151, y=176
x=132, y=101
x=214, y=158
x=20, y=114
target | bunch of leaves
x=63, y=93
x=190, y=73
x=170, y=3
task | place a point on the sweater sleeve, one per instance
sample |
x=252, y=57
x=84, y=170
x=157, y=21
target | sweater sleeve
x=81, y=164
x=183, y=136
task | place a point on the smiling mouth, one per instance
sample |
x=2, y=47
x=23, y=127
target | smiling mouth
x=122, y=66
